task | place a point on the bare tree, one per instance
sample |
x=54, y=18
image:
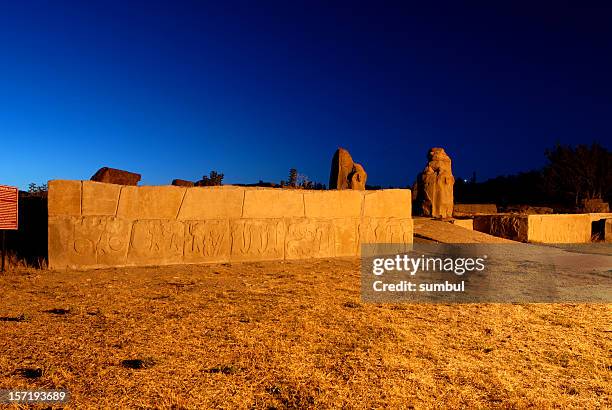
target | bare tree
x=584, y=172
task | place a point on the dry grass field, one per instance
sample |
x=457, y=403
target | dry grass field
x=290, y=335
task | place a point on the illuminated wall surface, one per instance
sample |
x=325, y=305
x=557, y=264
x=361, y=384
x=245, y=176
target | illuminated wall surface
x=94, y=224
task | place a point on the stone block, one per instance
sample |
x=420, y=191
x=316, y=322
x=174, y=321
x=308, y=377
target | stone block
x=464, y=223
x=598, y=216
x=150, y=202
x=310, y=238
x=333, y=203
x=513, y=227
x=100, y=199
x=552, y=228
x=207, y=241
x=257, y=239
x=203, y=203
x=474, y=209
x=528, y=210
x=182, y=182
x=116, y=176
x=273, y=203
x=385, y=203
x=64, y=198
x=559, y=228
x=385, y=230
x=346, y=236
x=608, y=231
x=156, y=242
x=87, y=242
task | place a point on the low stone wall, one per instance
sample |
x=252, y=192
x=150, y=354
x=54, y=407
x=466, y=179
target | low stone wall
x=553, y=228
x=598, y=216
x=474, y=209
x=94, y=224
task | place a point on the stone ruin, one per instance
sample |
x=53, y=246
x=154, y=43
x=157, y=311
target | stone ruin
x=182, y=182
x=346, y=174
x=97, y=225
x=116, y=176
x=434, y=186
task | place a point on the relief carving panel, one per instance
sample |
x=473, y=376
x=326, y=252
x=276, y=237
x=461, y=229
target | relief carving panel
x=346, y=234
x=257, y=239
x=386, y=231
x=207, y=241
x=310, y=238
x=88, y=241
x=156, y=242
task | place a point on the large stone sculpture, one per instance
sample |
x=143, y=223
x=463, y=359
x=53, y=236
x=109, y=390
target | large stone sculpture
x=116, y=176
x=346, y=174
x=357, y=178
x=434, y=186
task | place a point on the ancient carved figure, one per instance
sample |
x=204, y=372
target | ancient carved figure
x=435, y=186
x=207, y=239
x=258, y=238
x=310, y=239
x=157, y=241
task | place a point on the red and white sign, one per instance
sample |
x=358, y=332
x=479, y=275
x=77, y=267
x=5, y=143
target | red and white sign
x=9, y=213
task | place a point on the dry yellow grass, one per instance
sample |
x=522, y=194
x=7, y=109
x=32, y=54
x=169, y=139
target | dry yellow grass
x=291, y=335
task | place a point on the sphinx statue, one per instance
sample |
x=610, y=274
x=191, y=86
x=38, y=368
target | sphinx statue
x=434, y=186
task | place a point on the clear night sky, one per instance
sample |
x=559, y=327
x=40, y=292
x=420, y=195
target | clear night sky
x=175, y=89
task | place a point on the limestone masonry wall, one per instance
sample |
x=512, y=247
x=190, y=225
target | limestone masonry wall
x=550, y=228
x=93, y=224
x=474, y=209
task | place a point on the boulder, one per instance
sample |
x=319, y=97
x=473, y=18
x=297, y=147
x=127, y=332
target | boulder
x=342, y=166
x=357, y=178
x=435, y=186
x=116, y=176
x=182, y=182
x=345, y=174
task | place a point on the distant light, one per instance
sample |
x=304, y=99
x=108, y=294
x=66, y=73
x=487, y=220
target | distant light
x=465, y=180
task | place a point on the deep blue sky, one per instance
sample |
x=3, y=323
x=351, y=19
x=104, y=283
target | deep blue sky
x=175, y=89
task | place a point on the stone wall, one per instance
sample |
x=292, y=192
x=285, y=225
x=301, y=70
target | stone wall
x=474, y=209
x=598, y=216
x=553, y=228
x=94, y=224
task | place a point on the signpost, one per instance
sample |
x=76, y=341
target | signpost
x=9, y=214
